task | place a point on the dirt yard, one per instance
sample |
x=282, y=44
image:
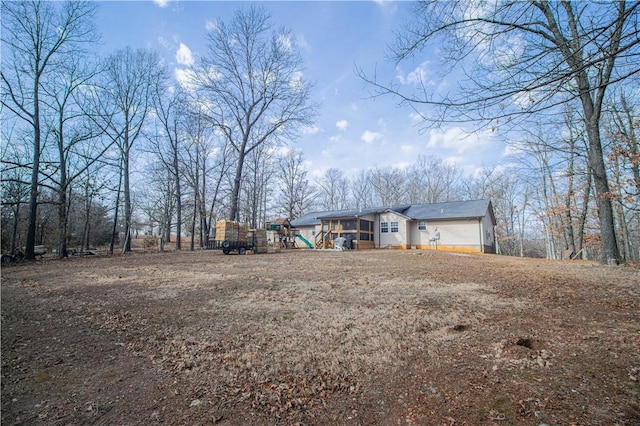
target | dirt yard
x=320, y=337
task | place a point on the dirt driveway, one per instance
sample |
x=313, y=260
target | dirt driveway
x=320, y=337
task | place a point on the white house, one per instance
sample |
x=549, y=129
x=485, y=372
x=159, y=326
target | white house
x=464, y=226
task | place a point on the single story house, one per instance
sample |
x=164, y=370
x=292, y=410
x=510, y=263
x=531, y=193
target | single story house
x=463, y=226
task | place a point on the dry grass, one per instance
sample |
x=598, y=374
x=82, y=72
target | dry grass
x=289, y=334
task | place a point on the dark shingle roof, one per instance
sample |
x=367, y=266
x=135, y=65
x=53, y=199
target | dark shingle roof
x=433, y=211
x=450, y=210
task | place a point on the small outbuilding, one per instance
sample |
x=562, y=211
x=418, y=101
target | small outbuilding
x=463, y=226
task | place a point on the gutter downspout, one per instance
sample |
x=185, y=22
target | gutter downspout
x=377, y=232
x=481, y=235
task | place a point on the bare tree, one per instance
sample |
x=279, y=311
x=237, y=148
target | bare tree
x=15, y=191
x=166, y=138
x=623, y=133
x=296, y=194
x=122, y=105
x=198, y=156
x=431, y=180
x=256, y=188
x=388, y=186
x=252, y=80
x=333, y=190
x=37, y=38
x=522, y=58
x=76, y=145
x=361, y=190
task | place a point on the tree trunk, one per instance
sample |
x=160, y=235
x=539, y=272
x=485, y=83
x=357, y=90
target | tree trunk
x=126, y=246
x=14, y=231
x=235, y=194
x=115, y=215
x=35, y=172
x=62, y=222
x=178, y=206
x=610, y=254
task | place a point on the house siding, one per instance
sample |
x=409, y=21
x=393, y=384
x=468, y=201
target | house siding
x=455, y=235
x=392, y=239
x=488, y=236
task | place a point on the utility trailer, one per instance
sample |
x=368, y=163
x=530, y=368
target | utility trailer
x=227, y=246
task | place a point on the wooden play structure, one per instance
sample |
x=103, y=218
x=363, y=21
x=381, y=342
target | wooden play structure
x=287, y=236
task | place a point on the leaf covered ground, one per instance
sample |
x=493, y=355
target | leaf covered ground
x=320, y=337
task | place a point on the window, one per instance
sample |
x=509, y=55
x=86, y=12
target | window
x=384, y=227
x=394, y=226
x=349, y=225
x=422, y=226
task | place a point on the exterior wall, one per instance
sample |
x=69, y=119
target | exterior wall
x=488, y=237
x=390, y=239
x=420, y=238
x=307, y=232
x=455, y=235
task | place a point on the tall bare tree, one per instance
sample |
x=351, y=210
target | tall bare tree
x=166, y=137
x=333, y=192
x=431, y=180
x=199, y=154
x=296, y=194
x=76, y=145
x=37, y=38
x=388, y=186
x=520, y=58
x=257, y=188
x=122, y=105
x=361, y=190
x=252, y=80
x=624, y=156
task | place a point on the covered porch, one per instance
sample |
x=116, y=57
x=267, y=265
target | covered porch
x=357, y=231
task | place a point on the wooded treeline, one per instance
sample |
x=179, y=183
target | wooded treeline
x=96, y=151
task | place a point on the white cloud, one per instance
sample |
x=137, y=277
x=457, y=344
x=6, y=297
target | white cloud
x=311, y=130
x=342, y=124
x=416, y=118
x=458, y=140
x=408, y=148
x=402, y=165
x=211, y=25
x=336, y=138
x=184, y=56
x=184, y=77
x=285, y=42
x=296, y=82
x=369, y=137
x=389, y=6
x=524, y=100
x=161, y=3
x=164, y=42
x=417, y=76
x=301, y=42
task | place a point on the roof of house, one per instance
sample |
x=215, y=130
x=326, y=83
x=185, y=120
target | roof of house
x=433, y=211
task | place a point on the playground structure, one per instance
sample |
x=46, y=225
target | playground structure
x=287, y=236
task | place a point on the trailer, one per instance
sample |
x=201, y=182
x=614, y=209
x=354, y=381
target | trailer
x=227, y=246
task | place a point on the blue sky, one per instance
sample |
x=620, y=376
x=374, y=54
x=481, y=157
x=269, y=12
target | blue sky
x=352, y=131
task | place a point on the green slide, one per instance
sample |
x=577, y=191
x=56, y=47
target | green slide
x=305, y=241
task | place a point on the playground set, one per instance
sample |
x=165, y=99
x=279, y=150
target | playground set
x=286, y=236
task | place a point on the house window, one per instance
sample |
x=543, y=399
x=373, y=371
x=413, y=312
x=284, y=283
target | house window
x=384, y=227
x=422, y=226
x=394, y=226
